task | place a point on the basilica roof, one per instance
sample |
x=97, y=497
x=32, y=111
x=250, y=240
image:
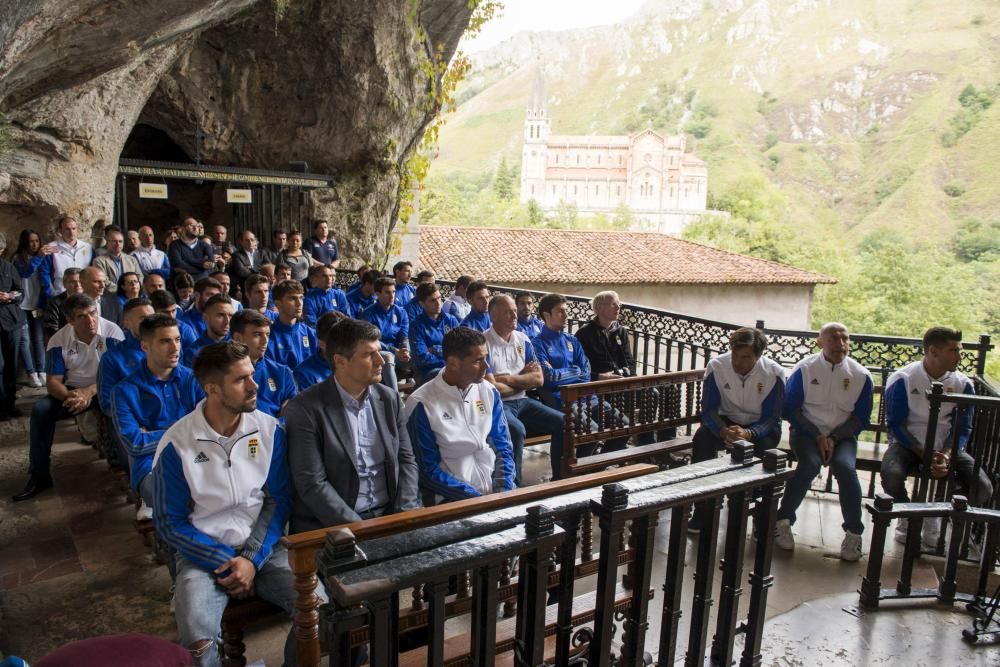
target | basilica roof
x=514, y=256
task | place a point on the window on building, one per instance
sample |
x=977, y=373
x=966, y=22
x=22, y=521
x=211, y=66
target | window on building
x=598, y=159
x=574, y=190
x=578, y=159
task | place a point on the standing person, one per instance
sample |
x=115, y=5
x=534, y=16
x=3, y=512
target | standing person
x=391, y=320
x=115, y=262
x=297, y=259
x=478, y=296
x=279, y=241
x=74, y=355
x=27, y=259
x=55, y=316
x=352, y=457
x=527, y=323
x=227, y=544
x=292, y=340
x=322, y=296
x=907, y=413
x=828, y=402
x=322, y=246
x=12, y=321
x=151, y=259
x=220, y=240
x=457, y=425
x=402, y=271
x=67, y=252
x=275, y=384
x=245, y=261
x=456, y=305
x=190, y=254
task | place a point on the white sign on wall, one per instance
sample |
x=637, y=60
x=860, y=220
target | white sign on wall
x=152, y=191
x=239, y=196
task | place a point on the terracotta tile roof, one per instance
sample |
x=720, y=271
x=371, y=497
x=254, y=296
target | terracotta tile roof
x=513, y=256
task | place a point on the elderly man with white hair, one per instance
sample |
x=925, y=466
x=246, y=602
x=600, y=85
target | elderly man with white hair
x=828, y=402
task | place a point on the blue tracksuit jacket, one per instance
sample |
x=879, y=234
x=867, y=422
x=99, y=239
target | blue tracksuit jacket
x=312, y=371
x=393, y=323
x=291, y=345
x=426, y=336
x=318, y=302
x=478, y=321
x=118, y=363
x=275, y=385
x=562, y=358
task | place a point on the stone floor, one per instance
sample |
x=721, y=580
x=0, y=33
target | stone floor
x=72, y=566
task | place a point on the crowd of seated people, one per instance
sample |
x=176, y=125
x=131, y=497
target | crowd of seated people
x=290, y=396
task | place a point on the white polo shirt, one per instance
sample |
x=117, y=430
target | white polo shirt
x=77, y=361
x=509, y=357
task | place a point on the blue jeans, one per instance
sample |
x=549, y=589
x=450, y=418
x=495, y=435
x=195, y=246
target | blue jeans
x=899, y=461
x=200, y=603
x=528, y=416
x=22, y=347
x=389, y=371
x=843, y=464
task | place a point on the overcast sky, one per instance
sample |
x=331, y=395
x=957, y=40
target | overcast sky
x=549, y=15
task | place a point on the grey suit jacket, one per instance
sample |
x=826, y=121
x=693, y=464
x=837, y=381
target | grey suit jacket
x=322, y=456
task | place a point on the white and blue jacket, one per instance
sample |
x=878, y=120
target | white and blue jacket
x=452, y=432
x=426, y=338
x=907, y=408
x=318, y=302
x=753, y=401
x=118, y=363
x=562, y=359
x=275, y=385
x=152, y=261
x=50, y=272
x=312, y=371
x=826, y=399
x=143, y=407
x=212, y=492
x=291, y=344
x=478, y=321
x=457, y=307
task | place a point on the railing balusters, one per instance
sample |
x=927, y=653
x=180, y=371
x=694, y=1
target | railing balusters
x=435, y=592
x=484, y=614
x=673, y=586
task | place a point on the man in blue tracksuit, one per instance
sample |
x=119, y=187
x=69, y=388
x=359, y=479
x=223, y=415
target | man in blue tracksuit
x=124, y=359
x=742, y=399
x=527, y=323
x=392, y=321
x=413, y=308
x=217, y=316
x=457, y=425
x=828, y=402
x=363, y=295
x=402, y=271
x=292, y=340
x=316, y=368
x=478, y=296
x=164, y=302
x=204, y=290
x=427, y=332
x=275, y=385
x=148, y=402
x=322, y=296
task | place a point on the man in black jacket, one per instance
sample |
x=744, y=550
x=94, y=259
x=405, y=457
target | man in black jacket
x=11, y=319
x=55, y=318
x=245, y=261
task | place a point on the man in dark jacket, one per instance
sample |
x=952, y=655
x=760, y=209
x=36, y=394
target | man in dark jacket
x=245, y=261
x=55, y=318
x=189, y=254
x=11, y=319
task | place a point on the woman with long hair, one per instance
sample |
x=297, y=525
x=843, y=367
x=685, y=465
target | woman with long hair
x=30, y=341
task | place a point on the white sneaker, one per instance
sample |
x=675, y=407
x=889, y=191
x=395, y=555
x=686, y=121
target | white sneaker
x=931, y=533
x=144, y=513
x=850, y=548
x=783, y=535
x=975, y=553
x=43, y=377
x=901, y=528
x=34, y=380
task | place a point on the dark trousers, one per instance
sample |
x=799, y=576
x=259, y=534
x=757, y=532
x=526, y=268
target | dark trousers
x=8, y=349
x=899, y=461
x=44, y=415
x=526, y=416
x=706, y=446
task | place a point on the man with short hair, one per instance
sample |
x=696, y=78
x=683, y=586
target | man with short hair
x=316, y=368
x=95, y=285
x=364, y=296
x=115, y=262
x=456, y=305
x=227, y=543
x=427, y=332
x=457, y=425
x=73, y=357
x=124, y=359
x=220, y=242
x=352, y=458
x=275, y=384
x=515, y=369
x=478, y=296
x=322, y=246
x=204, y=290
x=66, y=252
x=151, y=259
x=55, y=316
x=267, y=270
x=413, y=308
x=245, y=261
x=153, y=282
x=218, y=314
x=356, y=285
x=279, y=241
x=742, y=398
x=292, y=340
x=402, y=271
x=828, y=402
x=163, y=302
x=322, y=296
x=189, y=254
x=222, y=278
x=257, y=294
x=907, y=413
x=605, y=341
x=392, y=321
x=527, y=323
x=151, y=398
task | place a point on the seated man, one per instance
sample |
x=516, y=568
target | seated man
x=322, y=296
x=204, y=290
x=163, y=302
x=527, y=323
x=457, y=425
x=515, y=369
x=275, y=385
x=364, y=296
x=292, y=340
x=225, y=281
x=413, y=309
x=217, y=316
x=73, y=357
x=316, y=368
x=151, y=399
x=907, y=411
x=392, y=321
x=427, y=331
x=478, y=318
x=564, y=362
x=153, y=282
x=828, y=402
x=227, y=543
x=257, y=294
x=95, y=284
x=456, y=305
x=402, y=271
x=352, y=458
x=55, y=307
x=742, y=400
x=356, y=285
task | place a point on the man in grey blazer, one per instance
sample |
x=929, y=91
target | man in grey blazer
x=349, y=453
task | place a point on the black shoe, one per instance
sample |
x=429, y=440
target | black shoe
x=34, y=486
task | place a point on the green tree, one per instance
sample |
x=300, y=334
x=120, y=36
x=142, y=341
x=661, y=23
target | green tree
x=623, y=218
x=536, y=217
x=503, y=181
